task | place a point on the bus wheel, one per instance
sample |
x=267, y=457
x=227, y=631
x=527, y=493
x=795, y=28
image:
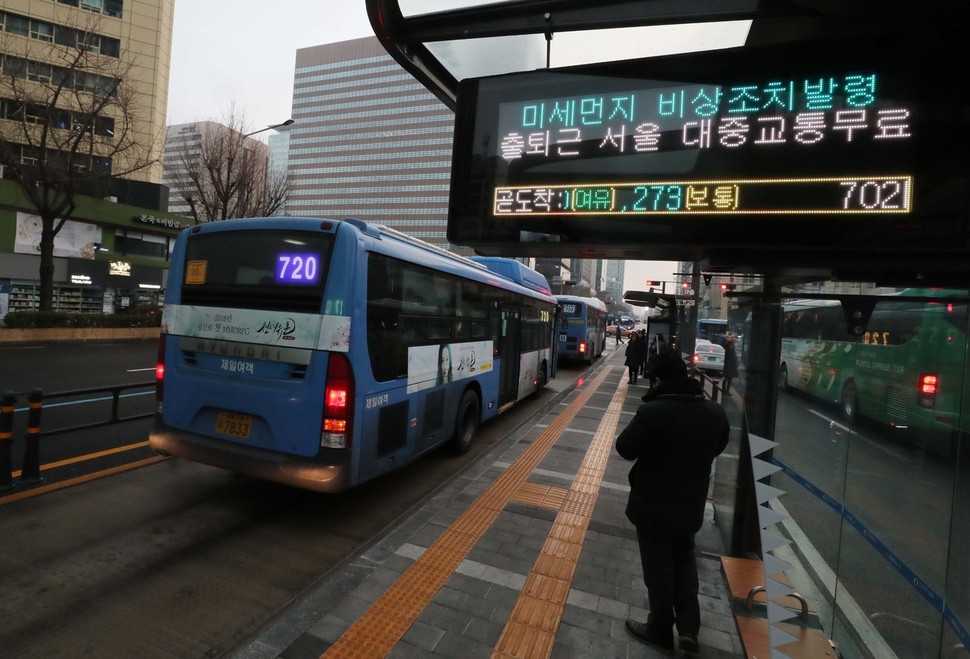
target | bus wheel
x=850, y=402
x=783, y=377
x=466, y=422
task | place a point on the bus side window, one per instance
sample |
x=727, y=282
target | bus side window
x=470, y=311
x=388, y=356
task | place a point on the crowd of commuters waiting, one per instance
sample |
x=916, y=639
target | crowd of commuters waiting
x=640, y=356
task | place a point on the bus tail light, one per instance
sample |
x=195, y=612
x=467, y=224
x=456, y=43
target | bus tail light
x=929, y=385
x=338, y=403
x=160, y=374
x=582, y=347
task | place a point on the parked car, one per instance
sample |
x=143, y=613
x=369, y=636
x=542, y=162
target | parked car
x=708, y=356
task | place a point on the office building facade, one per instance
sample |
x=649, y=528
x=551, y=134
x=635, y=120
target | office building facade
x=183, y=154
x=368, y=142
x=137, y=33
x=111, y=253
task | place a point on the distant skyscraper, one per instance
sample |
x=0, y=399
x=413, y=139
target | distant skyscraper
x=368, y=142
x=615, y=272
x=279, y=149
x=183, y=146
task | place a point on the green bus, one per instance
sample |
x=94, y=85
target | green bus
x=905, y=369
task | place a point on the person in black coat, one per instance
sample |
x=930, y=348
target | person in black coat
x=730, y=365
x=635, y=352
x=674, y=437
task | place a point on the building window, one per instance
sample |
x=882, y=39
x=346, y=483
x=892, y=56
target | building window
x=136, y=243
x=94, y=43
x=39, y=72
x=42, y=31
x=107, y=7
x=113, y=8
x=17, y=25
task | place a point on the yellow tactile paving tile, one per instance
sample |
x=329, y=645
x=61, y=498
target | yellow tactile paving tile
x=546, y=589
x=403, y=602
x=549, y=589
x=541, y=496
x=556, y=568
x=525, y=641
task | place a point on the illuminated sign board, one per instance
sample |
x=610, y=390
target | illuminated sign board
x=298, y=268
x=852, y=144
x=119, y=268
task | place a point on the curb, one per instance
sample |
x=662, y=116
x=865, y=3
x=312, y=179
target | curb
x=37, y=335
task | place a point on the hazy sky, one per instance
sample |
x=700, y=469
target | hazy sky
x=241, y=54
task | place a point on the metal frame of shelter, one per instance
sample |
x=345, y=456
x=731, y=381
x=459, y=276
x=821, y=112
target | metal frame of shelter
x=431, y=46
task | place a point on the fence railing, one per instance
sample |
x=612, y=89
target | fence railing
x=36, y=400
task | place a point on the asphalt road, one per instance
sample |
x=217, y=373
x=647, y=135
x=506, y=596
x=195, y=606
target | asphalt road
x=176, y=559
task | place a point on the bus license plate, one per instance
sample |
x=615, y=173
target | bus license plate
x=234, y=424
x=563, y=337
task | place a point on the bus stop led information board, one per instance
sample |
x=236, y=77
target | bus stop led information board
x=795, y=145
x=742, y=117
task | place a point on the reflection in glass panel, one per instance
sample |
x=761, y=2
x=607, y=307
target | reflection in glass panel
x=470, y=58
x=868, y=424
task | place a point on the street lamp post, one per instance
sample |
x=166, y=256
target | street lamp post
x=263, y=130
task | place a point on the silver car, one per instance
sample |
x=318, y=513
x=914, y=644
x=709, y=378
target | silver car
x=708, y=356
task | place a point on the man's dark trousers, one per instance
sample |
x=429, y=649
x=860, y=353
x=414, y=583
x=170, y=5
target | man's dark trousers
x=669, y=568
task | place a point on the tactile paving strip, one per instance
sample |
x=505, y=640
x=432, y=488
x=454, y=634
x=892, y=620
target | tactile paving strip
x=531, y=629
x=376, y=632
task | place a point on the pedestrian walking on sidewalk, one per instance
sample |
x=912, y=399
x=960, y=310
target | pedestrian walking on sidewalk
x=619, y=335
x=674, y=437
x=730, y=365
x=634, y=356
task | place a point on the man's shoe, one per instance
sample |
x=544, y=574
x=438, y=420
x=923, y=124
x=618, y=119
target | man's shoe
x=641, y=632
x=688, y=644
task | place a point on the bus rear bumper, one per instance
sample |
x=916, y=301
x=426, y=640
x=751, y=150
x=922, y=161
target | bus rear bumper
x=305, y=473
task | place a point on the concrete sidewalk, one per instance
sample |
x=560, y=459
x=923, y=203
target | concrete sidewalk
x=469, y=615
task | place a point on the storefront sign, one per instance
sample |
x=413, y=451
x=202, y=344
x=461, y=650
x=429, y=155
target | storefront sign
x=167, y=222
x=119, y=268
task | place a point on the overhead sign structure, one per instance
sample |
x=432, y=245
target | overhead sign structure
x=855, y=145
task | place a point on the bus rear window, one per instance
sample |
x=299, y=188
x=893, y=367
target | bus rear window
x=282, y=270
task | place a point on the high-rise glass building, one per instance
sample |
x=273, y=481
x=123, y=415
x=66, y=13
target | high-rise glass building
x=368, y=142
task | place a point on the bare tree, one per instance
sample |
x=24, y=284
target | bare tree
x=67, y=126
x=225, y=174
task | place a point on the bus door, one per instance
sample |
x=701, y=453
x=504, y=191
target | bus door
x=509, y=347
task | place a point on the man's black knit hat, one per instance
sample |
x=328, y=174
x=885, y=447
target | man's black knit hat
x=669, y=366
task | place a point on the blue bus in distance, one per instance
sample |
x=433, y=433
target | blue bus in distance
x=323, y=353
x=516, y=271
x=712, y=329
x=582, y=327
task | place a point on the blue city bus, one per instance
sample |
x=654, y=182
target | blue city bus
x=581, y=327
x=322, y=353
x=712, y=329
x=516, y=271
